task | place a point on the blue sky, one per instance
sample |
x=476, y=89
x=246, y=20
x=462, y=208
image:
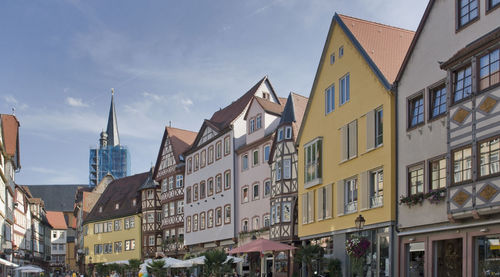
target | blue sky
x=175, y=61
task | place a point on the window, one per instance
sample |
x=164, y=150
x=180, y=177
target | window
x=97, y=248
x=171, y=208
x=210, y=218
x=258, y=122
x=278, y=170
x=188, y=224
x=203, y=158
x=332, y=58
x=117, y=225
x=126, y=223
x=244, y=225
x=489, y=74
x=489, y=160
x=286, y=212
x=349, y=141
x=218, y=216
x=467, y=11
x=487, y=251
x=280, y=134
x=190, y=165
x=267, y=188
x=376, y=188
x=179, y=182
x=195, y=192
x=438, y=101
x=288, y=132
x=255, y=191
x=108, y=248
x=227, y=214
x=351, y=196
x=203, y=192
x=227, y=180
x=244, y=162
x=132, y=222
x=180, y=207
x=210, y=186
x=379, y=127
x=244, y=194
x=287, y=167
x=490, y=4
x=266, y=220
x=252, y=125
x=267, y=151
x=227, y=146
x=462, y=85
x=218, y=183
x=416, y=111
x=150, y=218
x=330, y=99
x=195, y=223
x=188, y=195
x=255, y=157
x=462, y=165
x=151, y=240
x=164, y=185
x=165, y=211
x=202, y=221
x=313, y=156
x=196, y=162
x=117, y=206
x=438, y=174
x=344, y=93
x=341, y=51
x=256, y=223
x=307, y=207
x=416, y=179
x=210, y=154
x=218, y=150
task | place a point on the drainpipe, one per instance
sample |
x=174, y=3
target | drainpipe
x=395, y=246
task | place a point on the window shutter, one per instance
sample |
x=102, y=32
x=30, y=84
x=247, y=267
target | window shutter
x=340, y=197
x=320, y=203
x=304, y=208
x=328, y=211
x=364, y=192
x=310, y=202
x=370, y=130
x=343, y=143
x=353, y=139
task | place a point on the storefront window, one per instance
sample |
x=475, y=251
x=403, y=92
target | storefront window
x=281, y=262
x=487, y=255
x=448, y=258
x=376, y=261
x=415, y=263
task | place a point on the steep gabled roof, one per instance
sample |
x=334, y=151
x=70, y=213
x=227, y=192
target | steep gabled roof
x=223, y=118
x=383, y=47
x=10, y=129
x=180, y=139
x=56, y=220
x=150, y=182
x=268, y=106
x=122, y=192
x=56, y=197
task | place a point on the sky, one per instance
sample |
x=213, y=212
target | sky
x=169, y=62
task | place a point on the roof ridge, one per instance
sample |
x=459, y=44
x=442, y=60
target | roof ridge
x=377, y=23
x=169, y=127
x=300, y=95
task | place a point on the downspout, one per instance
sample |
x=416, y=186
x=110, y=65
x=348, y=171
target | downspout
x=395, y=251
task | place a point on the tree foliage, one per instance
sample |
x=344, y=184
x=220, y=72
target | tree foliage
x=309, y=254
x=155, y=268
x=214, y=263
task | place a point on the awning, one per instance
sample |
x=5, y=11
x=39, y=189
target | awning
x=117, y=262
x=7, y=263
x=29, y=269
x=261, y=245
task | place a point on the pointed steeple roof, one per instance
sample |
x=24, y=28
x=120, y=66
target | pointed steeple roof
x=112, y=130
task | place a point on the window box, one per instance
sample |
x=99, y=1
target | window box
x=412, y=200
x=436, y=196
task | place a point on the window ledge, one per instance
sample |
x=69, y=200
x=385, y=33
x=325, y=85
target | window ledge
x=351, y=158
x=313, y=183
x=374, y=148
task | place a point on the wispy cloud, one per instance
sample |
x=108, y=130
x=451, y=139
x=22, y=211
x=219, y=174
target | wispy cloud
x=75, y=102
x=55, y=176
x=10, y=99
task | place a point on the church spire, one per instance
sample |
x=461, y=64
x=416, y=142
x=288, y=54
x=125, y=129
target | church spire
x=112, y=130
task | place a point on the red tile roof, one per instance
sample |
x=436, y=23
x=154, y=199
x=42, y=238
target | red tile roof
x=56, y=220
x=10, y=127
x=386, y=45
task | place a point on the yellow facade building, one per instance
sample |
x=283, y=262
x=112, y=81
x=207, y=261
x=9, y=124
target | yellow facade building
x=347, y=143
x=112, y=230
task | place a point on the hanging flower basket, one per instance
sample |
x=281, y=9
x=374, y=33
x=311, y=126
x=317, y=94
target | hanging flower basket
x=357, y=247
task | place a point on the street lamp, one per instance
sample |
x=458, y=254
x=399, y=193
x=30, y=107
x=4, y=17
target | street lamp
x=360, y=222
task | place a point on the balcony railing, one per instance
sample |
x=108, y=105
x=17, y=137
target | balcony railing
x=376, y=201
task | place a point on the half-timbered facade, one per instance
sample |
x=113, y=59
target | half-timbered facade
x=210, y=209
x=169, y=172
x=151, y=218
x=253, y=184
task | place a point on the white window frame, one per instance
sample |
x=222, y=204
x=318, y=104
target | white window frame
x=288, y=132
x=287, y=168
x=244, y=162
x=376, y=192
x=280, y=134
x=379, y=127
x=329, y=99
x=351, y=195
x=317, y=163
x=344, y=89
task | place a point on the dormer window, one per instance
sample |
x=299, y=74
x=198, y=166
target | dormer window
x=280, y=134
x=100, y=209
x=266, y=95
x=134, y=202
x=288, y=132
x=117, y=206
x=258, y=122
x=252, y=126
